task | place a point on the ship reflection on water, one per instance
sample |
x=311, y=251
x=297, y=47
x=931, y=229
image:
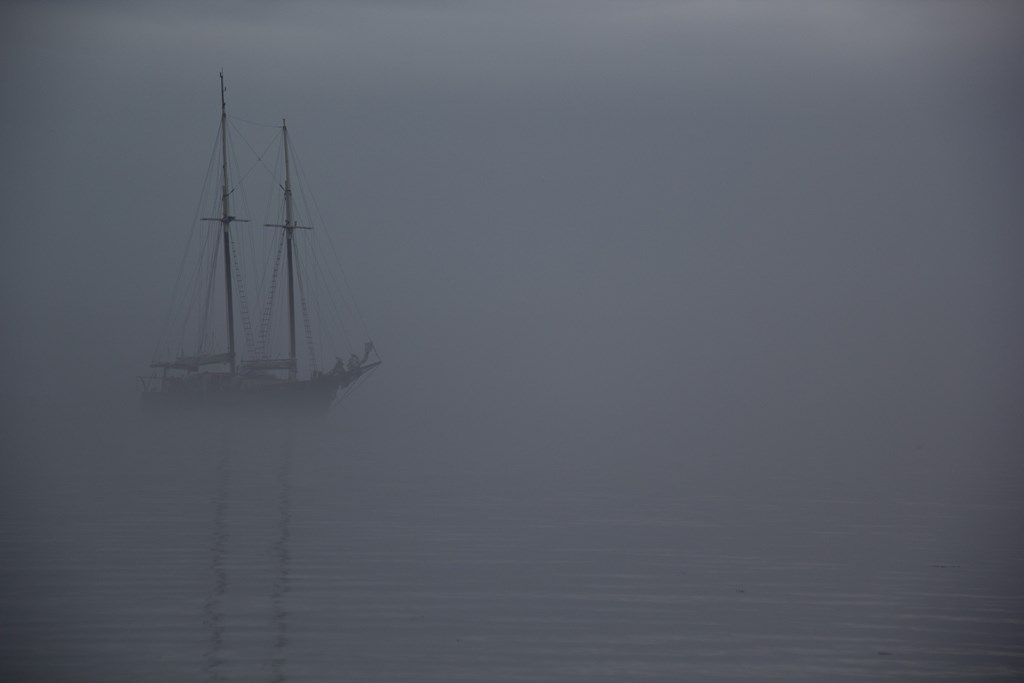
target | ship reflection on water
x=214, y=606
x=309, y=553
x=282, y=555
x=277, y=570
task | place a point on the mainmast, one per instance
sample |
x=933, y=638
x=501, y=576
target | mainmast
x=226, y=219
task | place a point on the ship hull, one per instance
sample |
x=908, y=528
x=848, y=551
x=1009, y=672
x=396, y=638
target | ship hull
x=310, y=397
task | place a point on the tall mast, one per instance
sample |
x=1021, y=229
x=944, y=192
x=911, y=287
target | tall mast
x=225, y=220
x=289, y=227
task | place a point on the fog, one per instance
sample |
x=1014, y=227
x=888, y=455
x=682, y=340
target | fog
x=614, y=255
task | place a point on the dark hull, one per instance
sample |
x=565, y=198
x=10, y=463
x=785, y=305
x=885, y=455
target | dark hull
x=305, y=397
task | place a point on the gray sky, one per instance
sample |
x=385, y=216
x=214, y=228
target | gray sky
x=782, y=233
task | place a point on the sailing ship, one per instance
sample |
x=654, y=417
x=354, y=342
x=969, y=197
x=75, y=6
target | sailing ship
x=198, y=363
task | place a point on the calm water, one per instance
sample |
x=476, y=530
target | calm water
x=307, y=555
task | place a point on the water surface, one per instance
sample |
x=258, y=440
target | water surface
x=310, y=554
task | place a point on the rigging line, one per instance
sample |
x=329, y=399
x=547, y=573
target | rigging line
x=268, y=308
x=233, y=152
x=259, y=157
x=182, y=296
x=340, y=304
x=330, y=283
x=246, y=322
x=239, y=184
x=195, y=296
x=305, y=319
x=340, y=331
x=244, y=239
x=272, y=197
x=267, y=313
x=347, y=321
x=307, y=280
x=253, y=123
x=309, y=252
x=187, y=303
x=181, y=265
x=266, y=236
x=259, y=243
x=249, y=243
x=330, y=242
x=210, y=338
x=315, y=297
x=205, y=319
x=273, y=212
x=239, y=279
x=342, y=327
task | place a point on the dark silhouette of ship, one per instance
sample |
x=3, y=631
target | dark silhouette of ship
x=198, y=363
